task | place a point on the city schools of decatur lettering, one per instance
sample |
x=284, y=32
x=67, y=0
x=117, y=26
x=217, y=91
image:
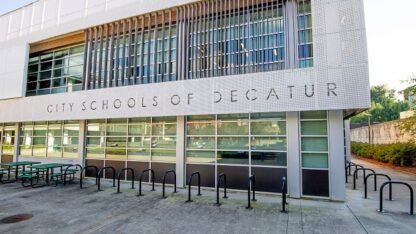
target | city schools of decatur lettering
x=231, y=96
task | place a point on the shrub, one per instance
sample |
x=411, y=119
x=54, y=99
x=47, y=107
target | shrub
x=400, y=154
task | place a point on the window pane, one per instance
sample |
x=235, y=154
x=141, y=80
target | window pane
x=314, y=128
x=231, y=157
x=116, y=153
x=233, y=128
x=268, y=143
x=268, y=158
x=70, y=152
x=313, y=115
x=139, y=154
x=268, y=128
x=314, y=160
x=200, y=143
x=201, y=128
x=314, y=144
x=164, y=142
x=237, y=143
x=97, y=153
x=200, y=156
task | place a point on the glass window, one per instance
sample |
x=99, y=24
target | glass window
x=55, y=64
x=314, y=160
x=269, y=158
x=314, y=139
x=53, y=139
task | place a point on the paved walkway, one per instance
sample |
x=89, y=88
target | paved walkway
x=71, y=210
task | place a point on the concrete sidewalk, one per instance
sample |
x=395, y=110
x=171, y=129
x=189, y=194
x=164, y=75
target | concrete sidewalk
x=71, y=210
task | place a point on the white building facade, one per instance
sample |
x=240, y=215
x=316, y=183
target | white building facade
x=241, y=87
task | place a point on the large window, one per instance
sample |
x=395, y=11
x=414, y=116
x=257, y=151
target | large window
x=314, y=153
x=57, y=71
x=236, y=139
x=135, y=51
x=7, y=138
x=50, y=139
x=240, y=37
x=305, y=46
x=136, y=139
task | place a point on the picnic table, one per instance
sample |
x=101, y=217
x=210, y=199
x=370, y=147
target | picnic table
x=16, y=165
x=48, y=167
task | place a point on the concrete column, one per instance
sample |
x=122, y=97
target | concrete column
x=16, y=143
x=82, y=141
x=291, y=35
x=347, y=132
x=293, y=154
x=180, y=151
x=336, y=155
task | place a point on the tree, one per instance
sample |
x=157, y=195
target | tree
x=384, y=106
x=409, y=125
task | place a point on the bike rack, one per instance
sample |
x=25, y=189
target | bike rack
x=66, y=170
x=355, y=176
x=83, y=170
x=224, y=177
x=164, y=179
x=349, y=167
x=396, y=182
x=190, y=185
x=375, y=184
x=100, y=173
x=119, y=177
x=284, y=191
x=141, y=177
x=251, y=185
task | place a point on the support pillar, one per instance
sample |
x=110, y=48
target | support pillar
x=336, y=155
x=180, y=151
x=293, y=155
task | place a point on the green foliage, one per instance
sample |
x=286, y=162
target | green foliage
x=408, y=125
x=384, y=106
x=410, y=91
x=400, y=154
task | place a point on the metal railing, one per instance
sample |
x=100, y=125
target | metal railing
x=355, y=176
x=251, y=186
x=152, y=178
x=84, y=170
x=100, y=173
x=375, y=184
x=119, y=178
x=190, y=185
x=396, y=182
x=224, y=178
x=164, y=181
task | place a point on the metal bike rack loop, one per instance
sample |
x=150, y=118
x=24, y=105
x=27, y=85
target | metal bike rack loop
x=251, y=186
x=349, y=167
x=84, y=170
x=100, y=173
x=164, y=180
x=66, y=171
x=396, y=182
x=284, y=191
x=375, y=184
x=190, y=184
x=119, y=177
x=355, y=176
x=224, y=178
x=152, y=173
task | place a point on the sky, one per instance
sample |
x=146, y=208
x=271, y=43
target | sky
x=391, y=37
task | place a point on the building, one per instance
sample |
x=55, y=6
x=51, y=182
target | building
x=241, y=87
